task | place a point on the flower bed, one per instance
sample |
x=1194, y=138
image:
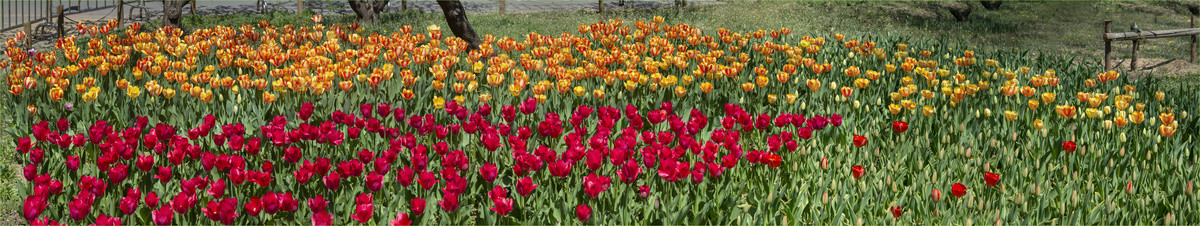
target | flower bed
x=647, y=123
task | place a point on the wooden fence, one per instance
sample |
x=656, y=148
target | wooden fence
x=1138, y=36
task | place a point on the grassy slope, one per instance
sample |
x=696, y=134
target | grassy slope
x=1069, y=28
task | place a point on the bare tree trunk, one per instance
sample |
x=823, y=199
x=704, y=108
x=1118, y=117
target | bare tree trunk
x=368, y=10
x=991, y=5
x=960, y=10
x=172, y=12
x=456, y=17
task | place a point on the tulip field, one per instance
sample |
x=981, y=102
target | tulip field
x=615, y=123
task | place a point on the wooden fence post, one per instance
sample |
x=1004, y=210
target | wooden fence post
x=120, y=11
x=1137, y=43
x=600, y=6
x=502, y=7
x=299, y=6
x=403, y=5
x=61, y=31
x=1193, y=43
x=1107, y=45
x=193, y=7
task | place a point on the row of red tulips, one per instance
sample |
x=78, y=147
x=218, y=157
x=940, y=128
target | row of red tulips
x=211, y=168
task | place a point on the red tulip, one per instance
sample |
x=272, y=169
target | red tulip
x=489, y=172
x=449, y=201
x=34, y=205
x=151, y=200
x=860, y=141
x=363, y=212
x=958, y=190
x=322, y=218
x=857, y=171
x=502, y=206
x=593, y=185
x=427, y=180
x=628, y=172
x=900, y=126
x=401, y=220
x=405, y=177
x=72, y=163
x=162, y=216
x=253, y=207
x=525, y=186
x=562, y=168
x=164, y=174
x=417, y=206
x=583, y=212
x=374, y=181
x=643, y=191
x=106, y=220
x=332, y=181
x=128, y=204
x=1069, y=146
x=896, y=211
x=306, y=110
x=991, y=178
x=773, y=160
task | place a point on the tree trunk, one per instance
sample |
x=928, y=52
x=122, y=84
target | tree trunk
x=368, y=10
x=172, y=12
x=960, y=11
x=456, y=17
x=991, y=5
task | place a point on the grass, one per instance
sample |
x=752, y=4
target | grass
x=1054, y=27
x=1059, y=28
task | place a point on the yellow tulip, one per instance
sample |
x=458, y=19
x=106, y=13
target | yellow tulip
x=133, y=91
x=438, y=103
x=1010, y=115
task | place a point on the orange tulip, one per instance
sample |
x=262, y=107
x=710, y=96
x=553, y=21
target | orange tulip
x=1167, y=118
x=747, y=87
x=1166, y=130
x=407, y=94
x=268, y=97
x=1137, y=117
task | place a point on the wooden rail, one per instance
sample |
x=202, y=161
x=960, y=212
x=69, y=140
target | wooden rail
x=1138, y=36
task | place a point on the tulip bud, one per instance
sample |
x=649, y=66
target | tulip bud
x=1129, y=188
x=968, y=152
x=998, y=222
x=824, y=163
x=1187, y=189
x=968, y=221
x=936, y=195
x=987, y=113
x=824, y=198
x=1123, y=138
x=857, y=104
x=1169, y=219
x=858, y=222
